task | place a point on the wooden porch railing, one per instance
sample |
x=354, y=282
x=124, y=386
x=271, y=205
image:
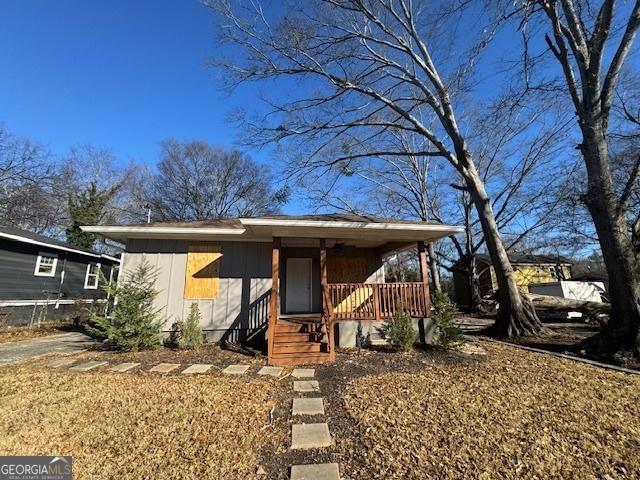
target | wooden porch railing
x=376, y=301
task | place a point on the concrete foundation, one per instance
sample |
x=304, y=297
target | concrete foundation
x=348, y=331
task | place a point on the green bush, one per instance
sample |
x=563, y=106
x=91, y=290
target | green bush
x=133, y=324
x=191, y=335
x=449, y=335
x=399, y=331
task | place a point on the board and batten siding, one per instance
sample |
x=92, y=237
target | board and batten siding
x=241, y=307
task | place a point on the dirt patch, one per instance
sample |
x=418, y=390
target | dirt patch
x=516, y=415
x=334, y=380
x=139, y=426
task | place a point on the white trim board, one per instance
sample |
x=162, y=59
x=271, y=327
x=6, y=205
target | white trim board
x=26, y=303
x=20, y=238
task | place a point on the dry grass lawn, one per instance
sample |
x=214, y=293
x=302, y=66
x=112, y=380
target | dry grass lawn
x=517, y=415
x=15, y=334
x=137, y=426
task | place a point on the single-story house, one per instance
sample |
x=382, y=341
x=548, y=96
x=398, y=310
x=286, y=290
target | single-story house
x=528, y=270
x=297, y=284
x=41, y=277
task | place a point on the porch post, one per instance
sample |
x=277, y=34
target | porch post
x=323, y=262
x=274, y=305
x=424, y=275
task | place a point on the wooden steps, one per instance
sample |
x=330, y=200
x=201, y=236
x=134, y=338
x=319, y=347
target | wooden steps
x=299, y=341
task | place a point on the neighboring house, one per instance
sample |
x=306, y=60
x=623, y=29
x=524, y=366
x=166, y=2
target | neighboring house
x=42, y=278
x=528, y=270
x=302, y=282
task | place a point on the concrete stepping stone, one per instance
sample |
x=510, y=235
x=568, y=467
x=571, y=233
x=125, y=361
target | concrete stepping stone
x=85, y=367
x=164, y=367
x=197, y=368
x=303, y=373
x=271, y=371
x=310, y=435
x=320, y=471
x=308, y=406
x=63, y=362
x=124, y=367
x=306, y=386
x=236, y=369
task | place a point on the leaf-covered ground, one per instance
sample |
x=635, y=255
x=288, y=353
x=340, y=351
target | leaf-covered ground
x=516, y=415
x=138, y=426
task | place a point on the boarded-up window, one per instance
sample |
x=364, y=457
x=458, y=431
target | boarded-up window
x=203, y=272
x=346, y=269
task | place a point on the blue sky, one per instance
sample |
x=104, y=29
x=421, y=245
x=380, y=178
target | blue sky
x=122, y=74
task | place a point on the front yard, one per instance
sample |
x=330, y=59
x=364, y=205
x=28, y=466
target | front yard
x=427, y=414
x=137, y=426
x=516, y=415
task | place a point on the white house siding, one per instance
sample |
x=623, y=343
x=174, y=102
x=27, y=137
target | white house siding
x=245, y=282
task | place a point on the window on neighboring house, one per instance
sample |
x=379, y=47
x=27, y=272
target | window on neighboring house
x=553, y=271
x=46, y=265
x=93, y=276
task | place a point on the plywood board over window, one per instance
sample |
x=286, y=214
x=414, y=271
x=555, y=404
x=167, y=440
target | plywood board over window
x=346, y=269
x=203, y=272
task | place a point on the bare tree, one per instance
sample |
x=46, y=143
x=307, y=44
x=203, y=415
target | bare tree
x=371, y=67
x=196, y=181
x=579, y=36
x=26, y=179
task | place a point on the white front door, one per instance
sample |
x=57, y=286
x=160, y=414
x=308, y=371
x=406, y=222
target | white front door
x=298, y=285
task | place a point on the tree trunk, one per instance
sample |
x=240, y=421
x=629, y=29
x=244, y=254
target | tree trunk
x=516, y=314
x=433, y=268
x=622, y=330
x=474, y=286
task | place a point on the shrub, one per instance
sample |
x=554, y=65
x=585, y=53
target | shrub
x=133, y=323
x=449, y=335
x=399, y=331
x=191, y=335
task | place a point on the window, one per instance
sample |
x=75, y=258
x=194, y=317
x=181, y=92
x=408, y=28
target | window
x=93, y=276
x=46, y=265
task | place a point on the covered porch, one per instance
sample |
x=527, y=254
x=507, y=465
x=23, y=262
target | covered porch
x=338, y=278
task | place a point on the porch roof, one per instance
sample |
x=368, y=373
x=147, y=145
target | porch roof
x=359, y=231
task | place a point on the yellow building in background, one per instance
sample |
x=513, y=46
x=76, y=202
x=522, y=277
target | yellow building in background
x=528, y=270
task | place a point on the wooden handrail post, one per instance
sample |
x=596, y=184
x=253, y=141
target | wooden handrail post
x=376, y=302
x=424, y=275
x=274, y=306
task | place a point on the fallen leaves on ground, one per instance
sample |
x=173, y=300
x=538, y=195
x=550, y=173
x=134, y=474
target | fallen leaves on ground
x=137, y=426
x=516, y=415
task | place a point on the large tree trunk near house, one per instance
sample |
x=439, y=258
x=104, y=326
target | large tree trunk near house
x=622, y=330
x=516, y=314
x=560, y=304
x=433, y=268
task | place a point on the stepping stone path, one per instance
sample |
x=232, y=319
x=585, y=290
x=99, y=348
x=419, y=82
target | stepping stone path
x=306, y=386
x=310, y=435
x=321, y=471
x=307, y=436
x=85, y=367
x=65, y=362
x=197, y=368
x=164, y=367
x=124, y=367
x=236, y=369
x=271, y=371
x=308, y=406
